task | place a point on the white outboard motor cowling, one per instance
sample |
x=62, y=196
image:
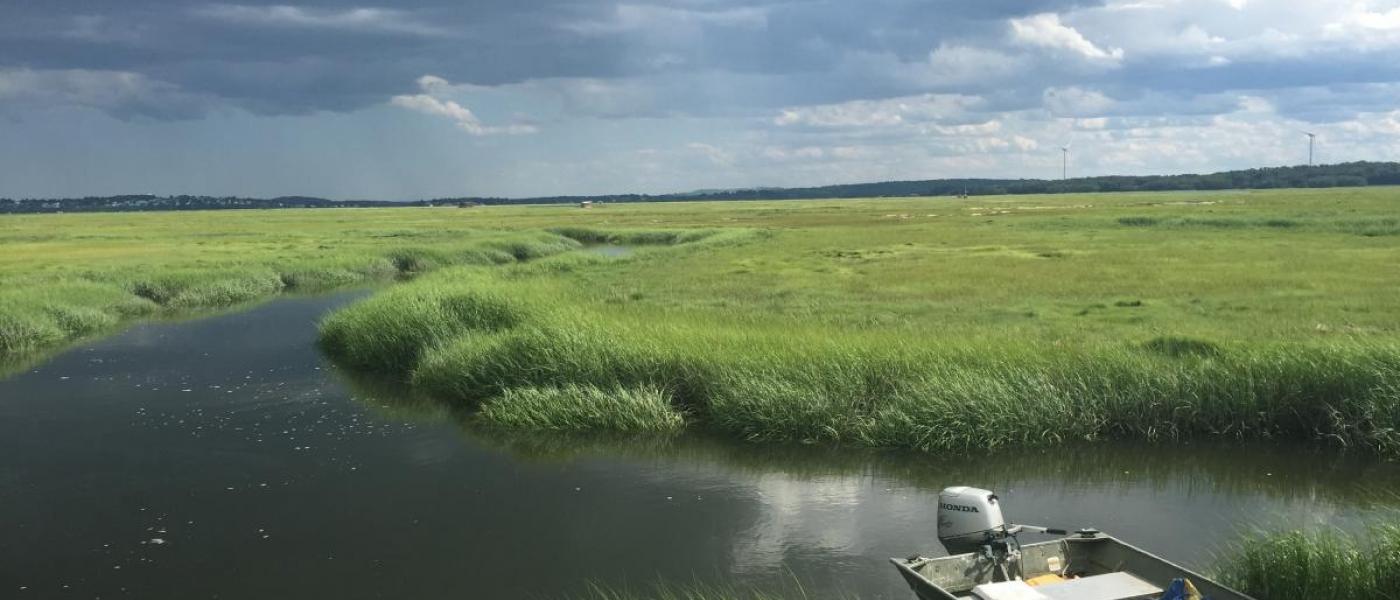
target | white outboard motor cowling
x=968, y=518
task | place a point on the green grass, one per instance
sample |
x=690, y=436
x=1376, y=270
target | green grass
x=90, y=273
x=926, y=323
x=790, y=382
x=1324, y=564
x=584, y=407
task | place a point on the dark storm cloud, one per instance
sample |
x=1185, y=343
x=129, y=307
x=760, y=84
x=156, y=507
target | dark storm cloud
x=274, y=58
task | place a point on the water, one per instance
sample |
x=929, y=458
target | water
x=225, y=458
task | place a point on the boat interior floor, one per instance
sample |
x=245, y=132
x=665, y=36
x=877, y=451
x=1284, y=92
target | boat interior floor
x=1108, y=586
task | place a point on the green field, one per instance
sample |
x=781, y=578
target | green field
x=922, y=323
x=929, y=323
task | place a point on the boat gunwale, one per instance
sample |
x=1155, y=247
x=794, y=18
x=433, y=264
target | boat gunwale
x=908, y=568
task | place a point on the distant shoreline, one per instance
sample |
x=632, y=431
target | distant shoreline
x=1353, y=174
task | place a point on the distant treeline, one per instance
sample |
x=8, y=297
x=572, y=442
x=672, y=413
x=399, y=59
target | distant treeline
x=1354, y=174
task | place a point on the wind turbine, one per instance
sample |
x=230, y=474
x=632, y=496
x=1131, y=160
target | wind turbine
x=1311, y=138
x=1064, y=161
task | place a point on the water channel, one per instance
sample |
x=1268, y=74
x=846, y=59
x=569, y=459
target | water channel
x=224, y=457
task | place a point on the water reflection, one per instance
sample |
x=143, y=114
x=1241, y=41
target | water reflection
x=849, y=506
x=266, y=473
x=1187, y=470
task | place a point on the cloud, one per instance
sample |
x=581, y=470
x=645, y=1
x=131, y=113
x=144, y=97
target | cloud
x=429, y=103
x=652, y=18
x=1077, y=102
x=100, y=29
x=121, y=93
x=880, y=113
x=364, y=20
x=790, y=92
x=714, y=154
x=1045, y=30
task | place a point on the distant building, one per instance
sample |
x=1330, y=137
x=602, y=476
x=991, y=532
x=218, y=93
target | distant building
x=586, y=204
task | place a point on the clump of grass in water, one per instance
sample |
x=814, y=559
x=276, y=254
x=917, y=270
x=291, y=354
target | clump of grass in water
x=1326, y=564
x=388, y=332
x=190, y=289
x=584, y=408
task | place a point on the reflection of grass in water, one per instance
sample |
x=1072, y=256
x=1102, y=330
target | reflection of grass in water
x=789, y=588
x=1284, y=472
x=1266, y=565
x=1321, y=564
x=393, y=400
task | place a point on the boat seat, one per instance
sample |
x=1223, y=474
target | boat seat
x=1007, y=590
x=1109, y=586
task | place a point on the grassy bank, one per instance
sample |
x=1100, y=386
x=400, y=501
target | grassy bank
x=927, y=323
x=1325, y=564
x=988, y=323
x=528, y=355
x=86, y=274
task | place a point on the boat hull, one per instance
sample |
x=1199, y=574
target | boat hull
x=952, y=577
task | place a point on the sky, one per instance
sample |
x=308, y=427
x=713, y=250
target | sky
x=441, y=98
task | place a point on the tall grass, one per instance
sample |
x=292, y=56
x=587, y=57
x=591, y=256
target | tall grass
x=524, y=346
x=40, y=310
x=583, y=407
x=1325, y=564
x=1368, y=227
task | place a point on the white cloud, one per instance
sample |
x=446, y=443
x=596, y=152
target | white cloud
x=1076, y=102
x=715, y=154
x=880, y=113
x=949, y=66
x=1046, y=30
x=366, y=20
x=649, y=18
x=1212, y=33
x=429, y=103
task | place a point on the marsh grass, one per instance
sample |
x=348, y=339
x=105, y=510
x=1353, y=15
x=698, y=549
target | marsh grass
x=919, y=323
x=1322, y=564
x=1367, y=227
x=1177, y=347
x=388, y=332
x=39, y=311
x=584, y=408
x=530, y=356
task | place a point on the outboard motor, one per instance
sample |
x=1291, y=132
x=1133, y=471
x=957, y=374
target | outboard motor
x=969, y=519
